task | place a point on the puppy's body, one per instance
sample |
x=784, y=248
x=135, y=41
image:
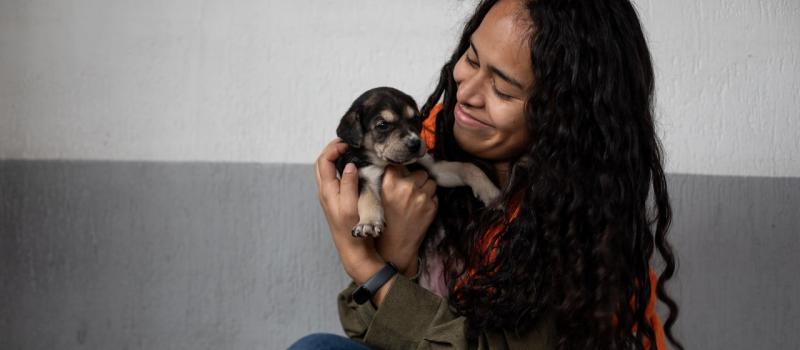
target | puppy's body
x=382, y=127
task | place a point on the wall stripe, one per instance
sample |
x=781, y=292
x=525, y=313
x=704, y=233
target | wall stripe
x=106, y=255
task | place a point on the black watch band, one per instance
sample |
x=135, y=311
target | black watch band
x=368, y=289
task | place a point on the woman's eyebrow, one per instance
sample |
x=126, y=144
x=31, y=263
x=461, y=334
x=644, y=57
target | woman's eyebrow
x=497, y=71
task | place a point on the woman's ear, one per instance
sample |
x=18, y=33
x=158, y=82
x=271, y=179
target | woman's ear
x=350, y=129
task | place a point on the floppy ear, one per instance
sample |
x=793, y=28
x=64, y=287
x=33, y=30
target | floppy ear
x=350, y=129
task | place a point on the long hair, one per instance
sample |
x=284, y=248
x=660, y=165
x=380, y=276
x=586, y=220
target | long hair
x=579, y=250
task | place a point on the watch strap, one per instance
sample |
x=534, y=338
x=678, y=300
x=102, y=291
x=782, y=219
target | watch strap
x=368, y=289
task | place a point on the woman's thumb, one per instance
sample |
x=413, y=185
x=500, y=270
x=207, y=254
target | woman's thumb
x=349, y=182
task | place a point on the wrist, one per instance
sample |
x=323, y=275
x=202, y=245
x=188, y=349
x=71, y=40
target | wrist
x=376, y=286
x=361, y=272
x=410, y=270
x=406, y=262
x=381, y=293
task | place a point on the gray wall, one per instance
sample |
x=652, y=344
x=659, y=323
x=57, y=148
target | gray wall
x=111, y=255
x=126, y=255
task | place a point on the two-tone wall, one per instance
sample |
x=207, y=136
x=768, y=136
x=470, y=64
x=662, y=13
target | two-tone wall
x=156, y=186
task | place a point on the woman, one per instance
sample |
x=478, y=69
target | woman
x=553, y=99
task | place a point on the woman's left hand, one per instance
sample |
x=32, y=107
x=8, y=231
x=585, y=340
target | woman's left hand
x=409, y=205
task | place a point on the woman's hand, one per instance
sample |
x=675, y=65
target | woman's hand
x=339, y=200
x=409, y=206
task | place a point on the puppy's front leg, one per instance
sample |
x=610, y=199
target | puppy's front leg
x=370, y=211
x=454, y=174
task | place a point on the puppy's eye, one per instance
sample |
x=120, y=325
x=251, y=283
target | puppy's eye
x=383, y=126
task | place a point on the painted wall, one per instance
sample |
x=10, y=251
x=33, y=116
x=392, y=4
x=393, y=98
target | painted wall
x=156, y=188
x=239, y=80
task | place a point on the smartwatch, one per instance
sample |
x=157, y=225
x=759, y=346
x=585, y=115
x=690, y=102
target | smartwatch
x=368, y=289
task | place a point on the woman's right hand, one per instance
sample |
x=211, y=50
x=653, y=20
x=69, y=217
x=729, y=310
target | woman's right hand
x=338, y=199
x=409, y=206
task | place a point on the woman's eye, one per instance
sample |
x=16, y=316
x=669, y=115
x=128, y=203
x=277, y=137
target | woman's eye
x=502, y=95
x=471, y=62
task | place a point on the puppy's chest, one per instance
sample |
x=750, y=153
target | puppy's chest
x=357, y=158
x=372, y=175
x=368, y=173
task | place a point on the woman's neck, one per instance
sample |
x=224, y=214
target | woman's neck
x=502, y=171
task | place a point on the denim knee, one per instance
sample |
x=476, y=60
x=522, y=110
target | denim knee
x=325, y=341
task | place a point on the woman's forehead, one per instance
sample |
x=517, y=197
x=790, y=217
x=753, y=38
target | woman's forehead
x=502, y=40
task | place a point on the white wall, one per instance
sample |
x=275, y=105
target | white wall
x=266, y=81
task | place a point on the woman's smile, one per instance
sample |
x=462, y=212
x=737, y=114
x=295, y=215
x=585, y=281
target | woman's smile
x=466, y=120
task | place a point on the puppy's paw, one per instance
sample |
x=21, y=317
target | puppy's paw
x=487, y=192
x=373, y=229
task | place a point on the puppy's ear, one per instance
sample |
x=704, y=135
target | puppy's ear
x=350, y=129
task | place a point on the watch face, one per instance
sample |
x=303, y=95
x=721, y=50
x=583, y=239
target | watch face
x=361, y=295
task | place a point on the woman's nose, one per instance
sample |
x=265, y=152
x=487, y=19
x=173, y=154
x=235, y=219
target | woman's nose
x=469, y=90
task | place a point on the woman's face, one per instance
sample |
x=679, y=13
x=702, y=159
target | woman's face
x=494, y=77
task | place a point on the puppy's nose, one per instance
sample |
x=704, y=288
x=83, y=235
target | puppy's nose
x=413, y=145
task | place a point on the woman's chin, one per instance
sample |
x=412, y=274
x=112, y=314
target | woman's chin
x=470, y=140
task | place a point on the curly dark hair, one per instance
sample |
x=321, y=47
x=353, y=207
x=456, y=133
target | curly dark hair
x=580, y=248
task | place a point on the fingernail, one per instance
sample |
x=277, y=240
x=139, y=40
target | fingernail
x=349, y=168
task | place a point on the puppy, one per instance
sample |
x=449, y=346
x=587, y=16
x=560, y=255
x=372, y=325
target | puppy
x=382, y=127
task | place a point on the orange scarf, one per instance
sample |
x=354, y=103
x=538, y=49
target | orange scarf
x=428, y=134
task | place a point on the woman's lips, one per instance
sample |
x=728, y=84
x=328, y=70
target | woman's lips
x=467, y=120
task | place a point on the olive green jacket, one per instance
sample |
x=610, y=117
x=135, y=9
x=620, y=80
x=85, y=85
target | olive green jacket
x=411, y=317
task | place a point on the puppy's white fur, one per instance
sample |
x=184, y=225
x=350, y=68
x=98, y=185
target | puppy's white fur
x=446, y=174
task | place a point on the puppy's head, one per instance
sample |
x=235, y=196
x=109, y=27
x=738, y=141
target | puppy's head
x=385, y=124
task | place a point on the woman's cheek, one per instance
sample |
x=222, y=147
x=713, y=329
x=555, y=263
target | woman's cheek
x=511, y=130
x=510, y=116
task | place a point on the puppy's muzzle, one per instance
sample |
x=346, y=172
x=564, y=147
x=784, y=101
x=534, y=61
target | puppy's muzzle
x=408, y=151
x=413, y=145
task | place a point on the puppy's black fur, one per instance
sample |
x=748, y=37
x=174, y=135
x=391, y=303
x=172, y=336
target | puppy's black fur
x=361, y=118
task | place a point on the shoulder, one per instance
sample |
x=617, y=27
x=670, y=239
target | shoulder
x=428, y=132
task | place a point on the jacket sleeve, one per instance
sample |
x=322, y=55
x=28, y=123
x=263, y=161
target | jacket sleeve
x=413, y=318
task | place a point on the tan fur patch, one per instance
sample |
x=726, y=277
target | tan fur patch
x=409, y=112
x=388, y=116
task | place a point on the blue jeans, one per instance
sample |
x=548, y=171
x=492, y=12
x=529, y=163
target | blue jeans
x=324, y=341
